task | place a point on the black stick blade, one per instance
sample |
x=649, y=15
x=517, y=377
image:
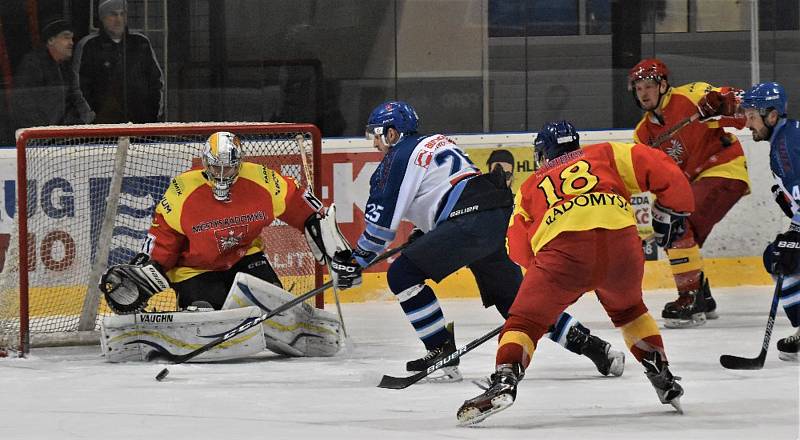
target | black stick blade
x=398, y=383
x=740, y=363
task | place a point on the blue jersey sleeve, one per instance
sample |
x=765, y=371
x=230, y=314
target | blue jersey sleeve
x=785, y=161
x=391, y=187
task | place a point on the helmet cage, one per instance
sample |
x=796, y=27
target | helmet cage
x=222, y=160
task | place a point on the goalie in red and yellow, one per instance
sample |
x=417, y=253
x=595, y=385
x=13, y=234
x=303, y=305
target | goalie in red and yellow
x=205, y=233
x=574, y=231
x=710, y=157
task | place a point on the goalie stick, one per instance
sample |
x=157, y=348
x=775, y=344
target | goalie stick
x=181, y=358
x=300, y=141
x=667, y=134
x=398, y=383
x=741, y=363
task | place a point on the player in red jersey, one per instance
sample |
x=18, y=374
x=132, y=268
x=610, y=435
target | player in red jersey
x=711, y=158
x=573, y=229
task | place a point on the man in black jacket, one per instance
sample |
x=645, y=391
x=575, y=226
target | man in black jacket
x=45, y=89
x=118, y=71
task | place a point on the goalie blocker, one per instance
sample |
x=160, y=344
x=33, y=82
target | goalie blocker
x=299, y=331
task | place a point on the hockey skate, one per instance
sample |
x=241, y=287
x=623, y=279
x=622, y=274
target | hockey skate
x=666, y=385
x=498, y=395
x=788, y=347
x=606, y=360
x=448, y=373
x=691, y=309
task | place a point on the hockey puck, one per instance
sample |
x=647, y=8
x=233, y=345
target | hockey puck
x=162, y=374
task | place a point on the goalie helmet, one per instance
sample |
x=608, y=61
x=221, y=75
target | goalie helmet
x=392, y=114
x=765, y=96
x=554, y=140
x=222, y=159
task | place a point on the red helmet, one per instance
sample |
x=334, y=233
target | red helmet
x=648, y=68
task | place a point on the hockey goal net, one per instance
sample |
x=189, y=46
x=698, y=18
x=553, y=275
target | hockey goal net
x=85, y=199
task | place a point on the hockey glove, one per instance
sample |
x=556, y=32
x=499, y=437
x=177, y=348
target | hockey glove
x=715, y=104
x=345, y=271
x=667, y=225
x=782, y=201
x=415, y=234
x=786, y=253
x=128, y=287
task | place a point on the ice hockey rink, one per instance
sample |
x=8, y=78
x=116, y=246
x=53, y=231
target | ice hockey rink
x=71, y=393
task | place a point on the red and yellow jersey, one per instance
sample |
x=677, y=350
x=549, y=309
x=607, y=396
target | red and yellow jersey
x=192, y=232
x=590, y=188
x=701, y=149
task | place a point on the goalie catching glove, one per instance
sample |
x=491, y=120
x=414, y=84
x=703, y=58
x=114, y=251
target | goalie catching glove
x=128, y=287
x=324, y=237
x=668, y=225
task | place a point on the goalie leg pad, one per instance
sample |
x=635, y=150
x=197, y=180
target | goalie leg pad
x=138, y=337
x=300, y=331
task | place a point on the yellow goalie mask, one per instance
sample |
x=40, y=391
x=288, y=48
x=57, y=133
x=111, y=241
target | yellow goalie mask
x=222, y=159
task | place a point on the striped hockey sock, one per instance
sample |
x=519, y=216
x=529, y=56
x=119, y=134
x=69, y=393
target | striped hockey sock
x=424, y=313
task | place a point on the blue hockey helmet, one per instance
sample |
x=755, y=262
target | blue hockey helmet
x=765, y=96
x=395, y=114
x=555, y=139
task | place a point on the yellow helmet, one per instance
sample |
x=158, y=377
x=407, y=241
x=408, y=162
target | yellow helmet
x=222, y=159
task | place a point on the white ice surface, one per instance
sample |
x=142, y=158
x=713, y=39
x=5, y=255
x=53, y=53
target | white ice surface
x=71, y=393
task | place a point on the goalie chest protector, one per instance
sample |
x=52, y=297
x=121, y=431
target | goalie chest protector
x=134, y=337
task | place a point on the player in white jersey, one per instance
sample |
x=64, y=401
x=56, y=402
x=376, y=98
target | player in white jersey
x=462, y=216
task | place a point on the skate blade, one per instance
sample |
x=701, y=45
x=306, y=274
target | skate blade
x=676, y=403
x=698, y=319
x=788, y=357
x=617, y=364
x=472, y=416
x=712, y=315
x=444, y=375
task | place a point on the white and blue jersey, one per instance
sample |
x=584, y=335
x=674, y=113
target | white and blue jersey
x=419, y=179
x=784, y=161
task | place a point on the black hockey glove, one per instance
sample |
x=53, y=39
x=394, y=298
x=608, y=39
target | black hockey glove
x=786, y=253
x=782, y=201
x=414, y=235
x=667, y=225
x=345, y=271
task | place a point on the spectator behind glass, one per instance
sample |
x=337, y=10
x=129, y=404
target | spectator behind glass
x=505, y=160
x=117, y=70
x=46, y=92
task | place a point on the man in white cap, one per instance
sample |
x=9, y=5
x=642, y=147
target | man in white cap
x=118, y=71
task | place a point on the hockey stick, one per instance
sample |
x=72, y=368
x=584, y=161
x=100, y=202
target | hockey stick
x=667, y=134
x=299, y=140
x=398, y=383
x=181, y=358
x=741, y=363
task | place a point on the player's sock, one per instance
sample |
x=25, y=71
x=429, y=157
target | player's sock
x=642, y=336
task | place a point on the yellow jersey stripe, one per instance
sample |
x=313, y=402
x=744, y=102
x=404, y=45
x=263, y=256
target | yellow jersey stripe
x=623, y=156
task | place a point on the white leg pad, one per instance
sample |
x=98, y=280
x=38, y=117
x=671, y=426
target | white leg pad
x=134, y=337
x=300, y=331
